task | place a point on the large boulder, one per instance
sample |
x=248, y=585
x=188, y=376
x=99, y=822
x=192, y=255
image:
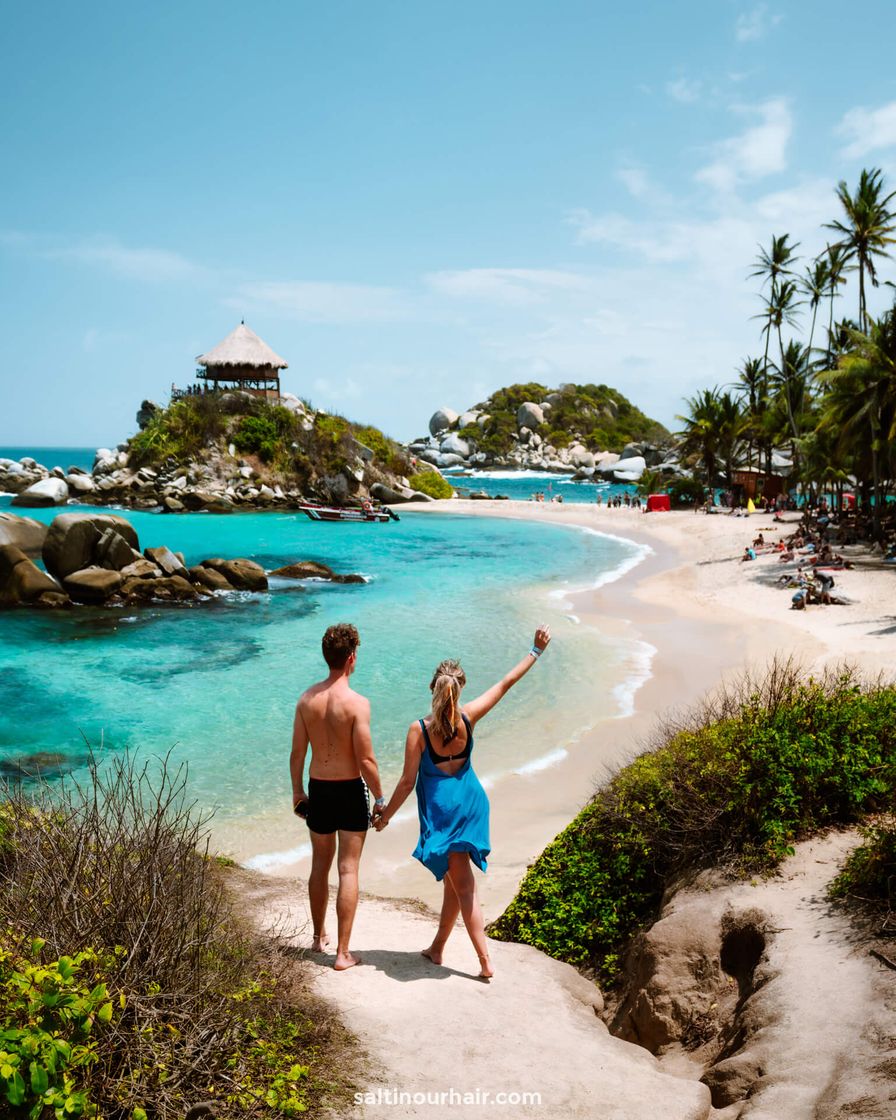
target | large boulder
x=449, y=459
x=172, y=589
x=80, y=483
x=633, y=467
x=441, y=420
x=311, y=569
x=165, y=559
x=47, y=492
x=454, y=445
x=21, y=581
x=92, y=585
x=244, y=575
x=24, y=532
x=529, y=415
x=72, y=538
x=113, y=551
x=209, y=579
x=467, y=418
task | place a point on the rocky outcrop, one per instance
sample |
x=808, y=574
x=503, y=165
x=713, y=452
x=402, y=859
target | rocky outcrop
x=244, y=575
x=529, y=415
x=24, y=532
x=48, y=492
x=23, y=583
x=96, y=561
x=311, y=569
x=441, y=420
x=392, y=496
x=72, y=540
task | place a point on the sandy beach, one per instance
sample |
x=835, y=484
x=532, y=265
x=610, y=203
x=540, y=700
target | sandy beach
x=708, y=617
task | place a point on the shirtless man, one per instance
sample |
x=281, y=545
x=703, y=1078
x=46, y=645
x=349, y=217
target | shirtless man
x=335, y=721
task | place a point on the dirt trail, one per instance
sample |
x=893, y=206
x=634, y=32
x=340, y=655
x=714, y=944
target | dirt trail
x=429, y=1030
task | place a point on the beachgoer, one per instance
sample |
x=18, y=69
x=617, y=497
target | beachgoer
x=749, y=554
x=451, y=803
x=335, y=721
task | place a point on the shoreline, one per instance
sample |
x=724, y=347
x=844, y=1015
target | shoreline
x=705, y=629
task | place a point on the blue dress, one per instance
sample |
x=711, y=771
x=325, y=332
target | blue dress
x=453, y=810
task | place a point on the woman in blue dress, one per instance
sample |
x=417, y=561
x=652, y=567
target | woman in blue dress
x=452, y=805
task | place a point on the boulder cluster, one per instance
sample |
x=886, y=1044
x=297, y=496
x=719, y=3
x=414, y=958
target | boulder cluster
x=445, y=447
x=96, y=559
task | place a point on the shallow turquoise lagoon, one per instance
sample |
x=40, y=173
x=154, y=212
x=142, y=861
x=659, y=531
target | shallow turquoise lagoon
x=216, y=685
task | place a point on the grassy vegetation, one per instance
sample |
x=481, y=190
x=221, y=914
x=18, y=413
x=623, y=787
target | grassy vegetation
x=870, y=871
x=738, y=782
x=599, y=417
x=275, y=435
x=431, y=483
x=130, y=988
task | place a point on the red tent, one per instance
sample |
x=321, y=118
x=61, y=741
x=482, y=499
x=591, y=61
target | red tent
x=656, y=502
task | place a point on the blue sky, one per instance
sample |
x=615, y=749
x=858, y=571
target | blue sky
x=414, y=203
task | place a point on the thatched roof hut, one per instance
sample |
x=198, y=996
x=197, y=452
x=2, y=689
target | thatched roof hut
x=243, y=361
x=242, y=347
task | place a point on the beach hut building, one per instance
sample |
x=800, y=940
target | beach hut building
x=242, y=361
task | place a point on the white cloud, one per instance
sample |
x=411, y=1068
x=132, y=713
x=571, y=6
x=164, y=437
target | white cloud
x=635, y=180
x=755, y=24
x=516, y=286
x=156, y=265
x=323, y=302
x=867, y=130
x=684, y=90
x=757, y=151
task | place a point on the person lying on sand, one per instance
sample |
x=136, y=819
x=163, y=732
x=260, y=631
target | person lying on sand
x=451, y=803
x=335, y=721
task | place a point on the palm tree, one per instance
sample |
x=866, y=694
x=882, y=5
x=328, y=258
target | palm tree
x=814, y=284
x=772, y=266
x=861, y=401
x=712, y=432
x=752, y=388
x=838, y=263
x=866, y=231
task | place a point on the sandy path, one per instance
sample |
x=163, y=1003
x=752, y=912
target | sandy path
x=827, y=1007
x=427, y=1030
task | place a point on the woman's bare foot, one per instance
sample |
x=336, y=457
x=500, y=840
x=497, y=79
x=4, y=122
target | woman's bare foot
x=432, y=954
x=320, y=944
x=345, y=960
x=486, y=972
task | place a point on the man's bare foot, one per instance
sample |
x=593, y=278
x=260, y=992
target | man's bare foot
x=320, y=944
x=486, y=972
x=345, y=960
x=432, y=954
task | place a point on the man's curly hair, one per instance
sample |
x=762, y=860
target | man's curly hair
x=339, y=643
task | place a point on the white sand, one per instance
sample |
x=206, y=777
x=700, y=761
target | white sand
x=708, y=616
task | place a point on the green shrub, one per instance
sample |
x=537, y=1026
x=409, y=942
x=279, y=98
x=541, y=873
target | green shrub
x=431, y=483
x=50, y=1014
x=751, y=772
x=870, y=870
x=257, y=435
x=686, y=491
x=129, y=984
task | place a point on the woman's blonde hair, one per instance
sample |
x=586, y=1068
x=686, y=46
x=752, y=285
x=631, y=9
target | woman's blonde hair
x=447, y=681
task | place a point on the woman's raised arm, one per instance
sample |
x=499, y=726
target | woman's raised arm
x=483, y=704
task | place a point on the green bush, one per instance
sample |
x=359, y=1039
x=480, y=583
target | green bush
x=257, y=435
x=751, y=772
x=870, y=870
x=431, y=483
x=686, y=491
x=130, y=986
x=50, y=1014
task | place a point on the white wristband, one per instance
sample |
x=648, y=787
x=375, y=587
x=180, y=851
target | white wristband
x=536, y=653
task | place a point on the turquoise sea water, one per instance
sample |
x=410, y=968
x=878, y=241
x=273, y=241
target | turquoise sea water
x=50, y=457
x=216, y=685
x=521, y=485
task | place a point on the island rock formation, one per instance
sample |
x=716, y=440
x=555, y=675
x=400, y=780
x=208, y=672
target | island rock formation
x=590, y=431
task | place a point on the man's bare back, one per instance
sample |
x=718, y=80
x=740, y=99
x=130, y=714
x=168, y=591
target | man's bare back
x=330, y=710
x=334, y=721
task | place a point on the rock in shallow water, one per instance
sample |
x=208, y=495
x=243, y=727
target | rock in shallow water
x=47, y=492
x=24, y=532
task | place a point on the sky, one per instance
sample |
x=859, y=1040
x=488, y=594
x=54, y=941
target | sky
x=416, y=202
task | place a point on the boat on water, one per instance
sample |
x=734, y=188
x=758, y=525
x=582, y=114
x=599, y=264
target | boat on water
x=347, y=513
